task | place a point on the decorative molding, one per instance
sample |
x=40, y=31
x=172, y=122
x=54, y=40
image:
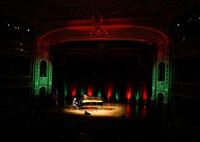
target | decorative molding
x=98, y=32
x=42, y=52
x=96, y=18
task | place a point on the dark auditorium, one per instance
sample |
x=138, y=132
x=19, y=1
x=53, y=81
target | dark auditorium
x=99, y=70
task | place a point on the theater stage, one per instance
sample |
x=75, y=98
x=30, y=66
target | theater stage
x=109, y=109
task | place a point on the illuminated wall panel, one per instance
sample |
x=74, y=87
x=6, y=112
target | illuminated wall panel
x=158, y=86
x=40, y=81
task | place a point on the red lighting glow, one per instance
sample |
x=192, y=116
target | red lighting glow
x=128, y=92
x=73, y=89
x=90, y=90
x=109, y=91
x=144, y=91
x=73, y=92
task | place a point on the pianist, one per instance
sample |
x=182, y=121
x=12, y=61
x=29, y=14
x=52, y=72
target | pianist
x=74, y=103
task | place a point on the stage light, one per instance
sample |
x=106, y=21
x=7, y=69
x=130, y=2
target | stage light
x=65, y=86
x=99, y=93
x=28, y=30
x=82, y=91
x=109, y=91
x=117, y=96
x=178, y=24
x=74, y=92
x=8, y=25
x=144, y=91
x=90, y=90
x=128, y=92
x=18, y=28
x=137, y=95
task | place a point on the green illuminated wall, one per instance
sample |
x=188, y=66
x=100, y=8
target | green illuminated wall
x=161, y=87
x=45, y=81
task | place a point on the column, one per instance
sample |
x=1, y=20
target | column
x=42, y=71
x=160, y=75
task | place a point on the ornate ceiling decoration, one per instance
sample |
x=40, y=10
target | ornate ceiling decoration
x=125, y=31
x=98, y=32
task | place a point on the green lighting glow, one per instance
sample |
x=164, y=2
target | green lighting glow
x=137, y=95
x=99, y=93
x=117, y=96
x=82, y=91
x=65, y=89
x=65, y=86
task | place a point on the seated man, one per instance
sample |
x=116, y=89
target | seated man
x=74, y=103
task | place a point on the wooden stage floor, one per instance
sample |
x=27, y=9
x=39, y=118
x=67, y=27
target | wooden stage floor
x=110, y=109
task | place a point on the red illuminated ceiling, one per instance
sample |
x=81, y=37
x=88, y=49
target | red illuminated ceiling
x=42, y=11
x=60, y=21
x=113, y=29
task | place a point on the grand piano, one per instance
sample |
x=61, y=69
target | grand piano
x=90, y=100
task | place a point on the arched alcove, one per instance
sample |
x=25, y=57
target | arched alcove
x=161, y=71
x=43, y=69
x=42, y=91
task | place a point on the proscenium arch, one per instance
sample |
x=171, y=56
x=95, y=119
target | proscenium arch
x=126, y=32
